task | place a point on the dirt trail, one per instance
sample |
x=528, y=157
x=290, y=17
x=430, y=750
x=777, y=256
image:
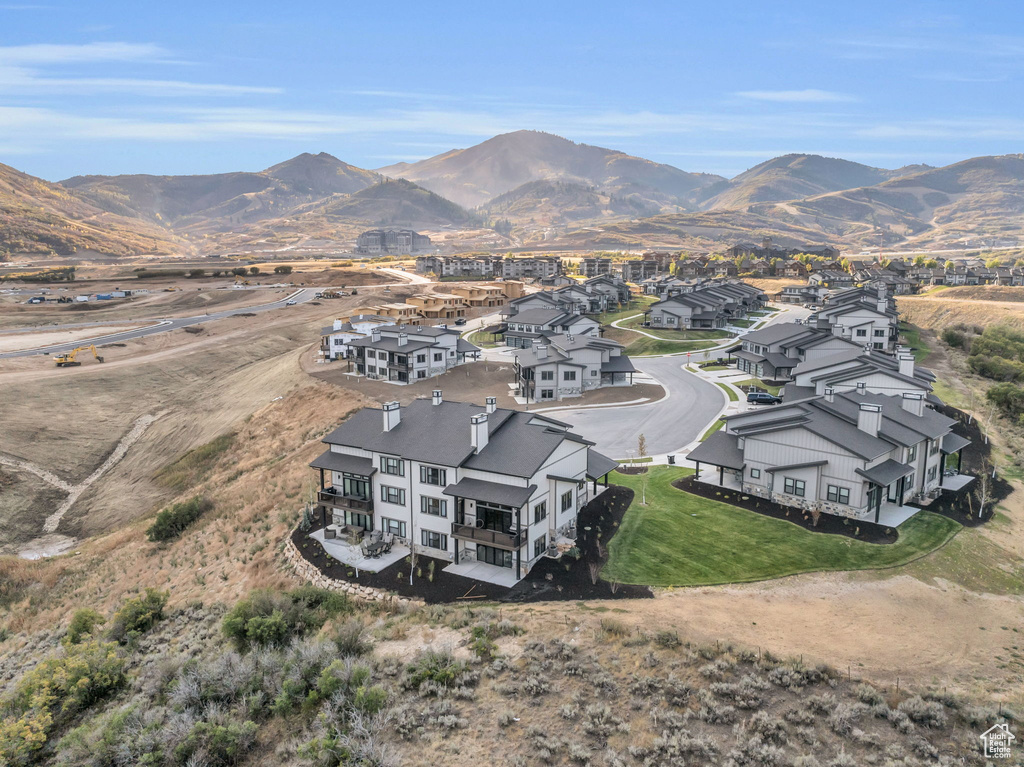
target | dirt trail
x=43, y=474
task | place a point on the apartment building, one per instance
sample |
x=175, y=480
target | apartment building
x=773, y=353
x=335, y=338
x=481, y=295
x=391, y=241
x=853, y=454
x=862, y=370
x=708, y=306
x=566, y=366
x=639, y=270
x=403, y=314
x=465, y=267
x=460, y=483
x=866, y=316
x=532, y=326
x=403, y=354
x=438, y=306
x=531, y=268
x=595, y=267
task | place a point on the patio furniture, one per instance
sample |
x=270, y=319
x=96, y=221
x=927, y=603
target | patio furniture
x=375, y=549
x=330, y=532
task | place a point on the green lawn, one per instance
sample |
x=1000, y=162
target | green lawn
x=636, y=306
x=679, y=539
x=654, y=346
x=912, y=336
x=481, y=339
x=743, y=323
x=729, y=391
x=759, y=383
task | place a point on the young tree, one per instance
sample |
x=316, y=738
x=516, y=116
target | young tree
x=254, y=270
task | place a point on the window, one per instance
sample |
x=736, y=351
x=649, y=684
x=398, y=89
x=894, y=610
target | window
x=433, y=506
x=493, y=556
x=861, y=333
x=421, y=358
x=392, y=495
x=394, y=526
x=540, y=545
x=569, y=375
x=567, y=500
x=932, y=473
x=911, y=453
x=838, y=494
x=395, y=466
x=438, y=357
x=880, y=333
x=433, y=540
x=540, y=512
x=755, y=473
x=934, y=448
x=355, y=486
x=547, y=375
x=794, y=486
x=593, y=372
x=547, y=394
x=431, y=476
x=421, y=373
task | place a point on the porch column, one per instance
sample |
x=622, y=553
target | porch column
x=323, y=514
x=942, y=467
x=322, y=485
x=519, y=549
x=721, y=476
x=456, y=550
x=696, y=474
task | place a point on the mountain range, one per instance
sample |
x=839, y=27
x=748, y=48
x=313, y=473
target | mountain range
x=539, y=187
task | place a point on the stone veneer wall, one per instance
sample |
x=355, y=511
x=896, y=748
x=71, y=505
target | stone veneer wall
x=307, y=571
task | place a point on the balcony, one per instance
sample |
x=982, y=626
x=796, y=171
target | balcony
x=494, y=538
x=331, y=497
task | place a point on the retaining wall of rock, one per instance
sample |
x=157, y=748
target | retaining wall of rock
x=307, y=571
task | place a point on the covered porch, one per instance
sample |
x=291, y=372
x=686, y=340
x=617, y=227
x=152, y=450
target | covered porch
x=888, y=483
x=598, y=469
x=720, y=451
x=953, y=445
x=490, y=516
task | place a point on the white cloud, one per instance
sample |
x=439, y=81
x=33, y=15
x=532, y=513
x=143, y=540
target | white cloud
x=48, y=53
x=808, y=96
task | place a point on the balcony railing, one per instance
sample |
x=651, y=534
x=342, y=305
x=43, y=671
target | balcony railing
x=488, y=537
x=355, y=503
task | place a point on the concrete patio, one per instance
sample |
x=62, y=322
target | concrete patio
x=891, y=515
x=481, y=571
x=353, y=555
x=957, y=482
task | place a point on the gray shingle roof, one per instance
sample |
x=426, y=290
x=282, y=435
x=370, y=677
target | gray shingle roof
x=618, y=364
x=340, y=462
x=598, y=465
x=886, y=472
x=491, y=492
x=773, y=334
x=720, y=449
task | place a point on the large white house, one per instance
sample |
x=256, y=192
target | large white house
x=459, y=482
x=567, y=366
x=407, y=354
x=335, y=338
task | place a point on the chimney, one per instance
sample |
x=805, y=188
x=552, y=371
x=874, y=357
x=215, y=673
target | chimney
x=403, y=339
x=478, y=433
x=375, y=335
x=913, y=403
x=542, y=352
x=492, y=404
x=392, y=415
x=882, y=305
x=830, y=394
x=907, y=365
x=436, y=399
x=869, y=418
x=862, y=388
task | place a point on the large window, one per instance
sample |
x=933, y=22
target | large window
x=421, y=358
x=862, y=333
x=394, y=526
x=911, y=453
x=567, y=500
x=795, y=486
x=394, y=466
x=438, y=357
x=540, y=512
x=540, y=545
x=569, y=375
x=392, y=495
x=355, y=486
x=493, y=556
x=437, y=507
x=431, y=476
x=880, y=333
x=547, y=375
x=838, y=494
x=433, y=540
x=932, y=473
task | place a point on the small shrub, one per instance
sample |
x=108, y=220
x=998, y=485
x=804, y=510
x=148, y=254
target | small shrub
x=667, y=639
x=435, y=671
x=271, y=618
x=926, y=712
x=614, y=627
x=350, y=638
x=83, y=622
x=867, y=694
x=173, y=521
x=137, y=616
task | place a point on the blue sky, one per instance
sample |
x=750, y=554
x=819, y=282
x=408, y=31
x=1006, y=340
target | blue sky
x=206, y=87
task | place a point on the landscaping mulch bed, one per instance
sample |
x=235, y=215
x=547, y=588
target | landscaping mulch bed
x=565, y=579
x=445, y=587
x=829, y=524
x=625, y=469
x=569, y=578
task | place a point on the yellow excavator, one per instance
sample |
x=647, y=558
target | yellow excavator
x=68, y=360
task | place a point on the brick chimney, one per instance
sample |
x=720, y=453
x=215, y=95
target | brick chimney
x=392, y=415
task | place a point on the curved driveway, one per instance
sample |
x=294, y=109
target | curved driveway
x=668, y=425
x=162, y=326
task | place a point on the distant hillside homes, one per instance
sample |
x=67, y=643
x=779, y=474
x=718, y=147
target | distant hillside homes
x=488, y=267
x=391, y=242
x=768, y=250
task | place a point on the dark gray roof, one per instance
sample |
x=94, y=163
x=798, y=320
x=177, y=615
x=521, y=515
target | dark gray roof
x=537, y=316
x=462, y=345
x=773, y=334
x=886, y=472
x=491, y=492
x=720, y=449
x=392, y=345
x=795, y=466
x=518, y=443
x=953, y=442
x=340, y=462
x=598, y=465
x=618, y=364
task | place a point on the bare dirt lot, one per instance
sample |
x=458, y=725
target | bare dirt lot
x=982, y=305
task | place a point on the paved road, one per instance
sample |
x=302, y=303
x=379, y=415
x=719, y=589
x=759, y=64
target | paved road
x=668, y=425
x=163, y=326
